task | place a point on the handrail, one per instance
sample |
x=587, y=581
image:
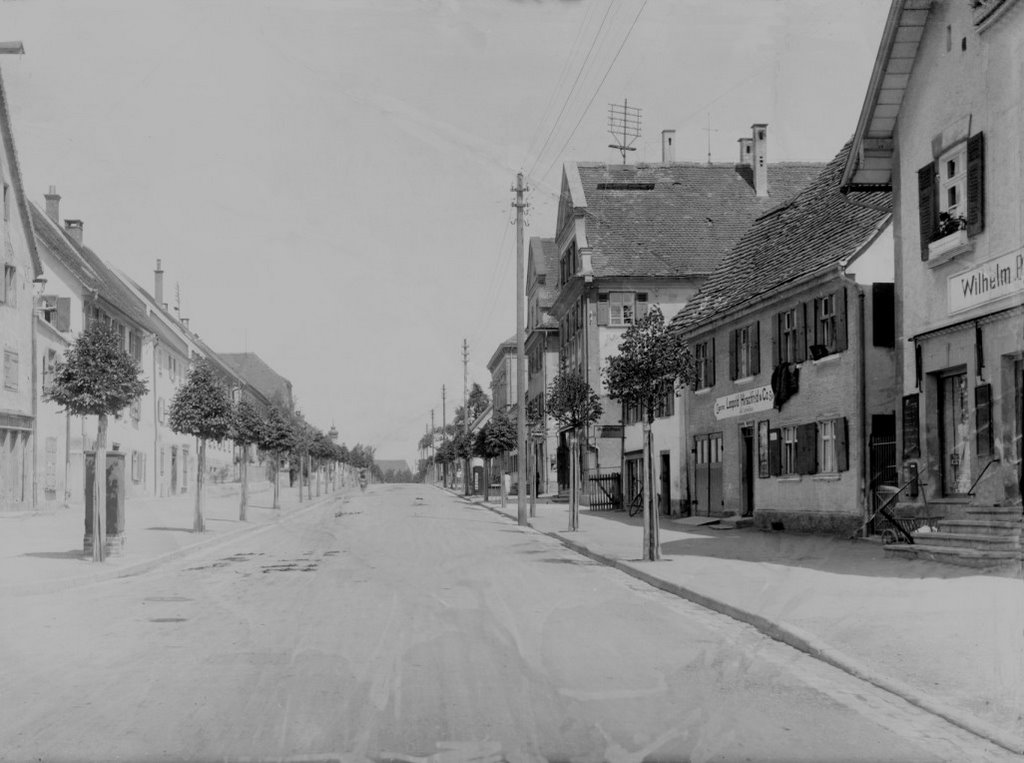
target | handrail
x=975, y=484
x=884, y=509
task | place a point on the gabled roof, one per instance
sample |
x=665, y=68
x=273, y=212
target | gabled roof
x=672, y=220
x=869, y=166
x=509, y=346
x=818, y=229
x=542, y=264
x=169, y=329
x=19, y=186
x=257, y=373
x=88, y=268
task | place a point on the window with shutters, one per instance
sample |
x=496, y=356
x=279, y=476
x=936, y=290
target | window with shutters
x=827, y=446
x=791, y=336
x=135, y=345
x=825, y=328
x=704, y=364
x=56, y=311
x=951, y=199
x=829, y=324
x=10, y=370
x=789, y=440
x=9, y=295
x=745, y=351
x=666, y=404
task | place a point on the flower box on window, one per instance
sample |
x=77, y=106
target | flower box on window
x=949, y=246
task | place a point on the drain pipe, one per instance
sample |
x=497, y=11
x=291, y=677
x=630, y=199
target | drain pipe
x=862, y=405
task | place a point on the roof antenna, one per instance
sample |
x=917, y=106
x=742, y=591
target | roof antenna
x=624, y=126
x=708, y=130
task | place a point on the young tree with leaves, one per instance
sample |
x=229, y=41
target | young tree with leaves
x=246, y=429
x=202, y=408
x=575, y=406
x=651, y=360
x=97, y=378
x=496, y=437
x=277, y=439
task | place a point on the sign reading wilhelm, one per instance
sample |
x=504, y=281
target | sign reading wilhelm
x=741, y=403
x=990, y=280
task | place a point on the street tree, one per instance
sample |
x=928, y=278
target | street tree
x=98, y=378
x=322, y=450
x=202, y=408
x=277, y=440
x=575, y=406
x=650, y=362
x=247, y=422
x=302, y=438
x=493, y=439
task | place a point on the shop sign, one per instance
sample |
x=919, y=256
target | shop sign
x=741, y=403
x=989, y=281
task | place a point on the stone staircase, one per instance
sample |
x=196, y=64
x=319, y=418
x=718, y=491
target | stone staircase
x=983, y=537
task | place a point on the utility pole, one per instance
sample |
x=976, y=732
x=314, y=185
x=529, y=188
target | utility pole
x=433, y=464
x=444, y=437
x=521, y=444
x=465, y=409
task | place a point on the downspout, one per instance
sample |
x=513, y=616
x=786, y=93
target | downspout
x=862, y=406
x=35, y=406
x=156, y=425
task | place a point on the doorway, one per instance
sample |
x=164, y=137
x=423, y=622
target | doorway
x=747, y=470
x=707, y=474
x=1018, y=375
x=666, y=483
x=954, y=433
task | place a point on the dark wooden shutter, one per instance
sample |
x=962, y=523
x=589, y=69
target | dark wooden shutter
x=63, y=314
x=842, y=445
x=777, y=340
x=711, y=362
x=800, y=354
x=733, y=350
x=602, y=310
x=983, y=419
x=841, y=340
x=976, y=184
x=815, y=322
x=927, y=205
x=807, y=449
x=754, y=344
x=883, y=315
x=774, y=452
x=641, y=305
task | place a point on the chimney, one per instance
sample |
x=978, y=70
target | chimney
x=760, y=159
x=746, y=151
x=74, y=229
x=185, y=321
x=668, y=146
x=158, y=284
x=53, y=204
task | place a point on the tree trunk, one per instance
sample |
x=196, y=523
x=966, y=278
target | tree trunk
x=574, y=485
x=298, y=469
x=99, y=492
x=199, y=524
x=245, y=483
x=277, y=484
x=318, y=468
x=652, y=549
x=309, y=483
x=531, y=469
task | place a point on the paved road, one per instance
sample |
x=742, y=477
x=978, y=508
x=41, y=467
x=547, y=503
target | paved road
x=402, y=623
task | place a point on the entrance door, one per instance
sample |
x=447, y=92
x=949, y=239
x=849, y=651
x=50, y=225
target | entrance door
x=708, y=474
x=954, y=434
x=666, y=484
x=1019, y=436
x=174, y=470
x=747, y=469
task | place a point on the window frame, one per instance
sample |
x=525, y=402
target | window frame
x=788, y=462
x=828, y=463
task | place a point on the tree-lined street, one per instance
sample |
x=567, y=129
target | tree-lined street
x=392, y=623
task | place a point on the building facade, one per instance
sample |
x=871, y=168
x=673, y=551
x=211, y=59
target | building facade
x=542, y=358
x=943, y=126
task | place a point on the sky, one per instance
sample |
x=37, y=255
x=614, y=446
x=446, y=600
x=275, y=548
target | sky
x=327, y=182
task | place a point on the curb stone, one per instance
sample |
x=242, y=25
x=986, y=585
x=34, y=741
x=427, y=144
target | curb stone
x=795, y=638
x=146, y=565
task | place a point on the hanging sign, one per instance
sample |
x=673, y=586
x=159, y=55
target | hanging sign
x=741, y=403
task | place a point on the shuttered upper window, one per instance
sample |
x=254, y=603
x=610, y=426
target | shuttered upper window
x=951, y=192
x=745, y=351
x=621, y=308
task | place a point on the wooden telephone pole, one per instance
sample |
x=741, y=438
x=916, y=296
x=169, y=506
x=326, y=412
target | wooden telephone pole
x=521, y=445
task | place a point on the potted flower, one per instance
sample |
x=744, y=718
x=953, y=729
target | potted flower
x=950, y=238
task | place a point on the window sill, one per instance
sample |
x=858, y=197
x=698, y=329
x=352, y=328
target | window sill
x=788, y=478
x=832, y=357
x=744, y=380
x=948, y=248
x=702, y=391
x=827, y=477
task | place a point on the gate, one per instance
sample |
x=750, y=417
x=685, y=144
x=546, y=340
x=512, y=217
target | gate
x=602, y=490
x=882, y=461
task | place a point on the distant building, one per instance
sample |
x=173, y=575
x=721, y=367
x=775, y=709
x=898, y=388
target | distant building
x=541, y=349
x=270, y=384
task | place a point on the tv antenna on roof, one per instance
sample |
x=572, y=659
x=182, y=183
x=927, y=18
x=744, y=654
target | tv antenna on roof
x=624, y=126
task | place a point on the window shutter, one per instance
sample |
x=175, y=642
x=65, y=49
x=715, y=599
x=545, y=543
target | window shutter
x=755, y=348
x=842, y=448
x=927, y=205
x=711, y=362
x=815, y=320
x=807, y=449
x=602, y=310
x=883, y=315
x=733, y=349
x=774, y=452
x=777, y=340
x=641, y=305
x=801, y=334
x=841, y=341
x=63, y=313
x=976, y=184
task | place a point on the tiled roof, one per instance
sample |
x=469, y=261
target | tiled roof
x=87, y=266
x=673, y=220
x=816, y=229
x=19, y=186
x=255, y=370
x=510, y=345
x=544, y=254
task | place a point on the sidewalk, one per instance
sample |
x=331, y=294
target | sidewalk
x=945, y=638
x=41, y=552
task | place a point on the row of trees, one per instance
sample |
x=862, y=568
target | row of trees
x=97, y=377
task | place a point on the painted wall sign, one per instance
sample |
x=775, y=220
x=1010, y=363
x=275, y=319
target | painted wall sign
x=741, y=403
x=988, y=281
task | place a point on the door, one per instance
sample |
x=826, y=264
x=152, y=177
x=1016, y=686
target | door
x=747, y=470
x=954, y=434
x=707, y=474
x=1019, y=436
x=666, y=484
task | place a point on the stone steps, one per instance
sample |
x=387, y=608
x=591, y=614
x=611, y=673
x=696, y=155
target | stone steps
x=981, y=526
x=968, y=540
x=982, y=537
x=965, y=557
